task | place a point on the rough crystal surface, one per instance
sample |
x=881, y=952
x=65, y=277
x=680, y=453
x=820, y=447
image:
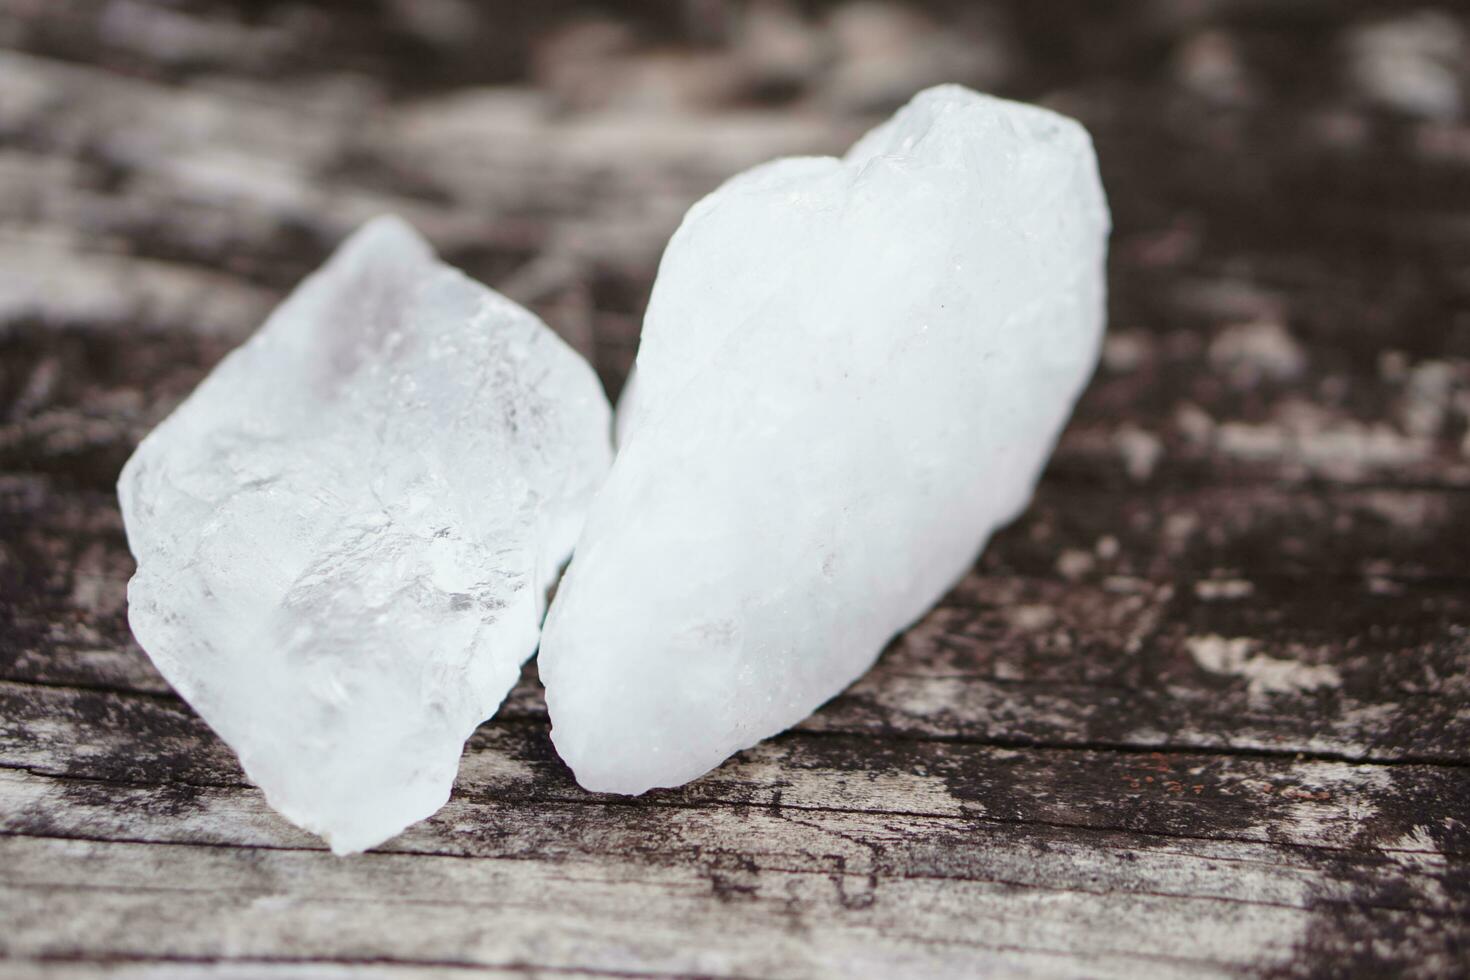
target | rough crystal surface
x=345, y=535
x=852, y=370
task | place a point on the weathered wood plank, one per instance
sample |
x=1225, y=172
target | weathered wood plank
x=939, y=682
x=297, y=968
x=1243, y=579
x=863, y=849
x=859, y=858
x=228, y=177
x=104, y=737
x=439, y=903
x=1329, y=623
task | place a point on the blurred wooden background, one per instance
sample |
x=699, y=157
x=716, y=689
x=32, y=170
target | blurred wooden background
x=1204, y=709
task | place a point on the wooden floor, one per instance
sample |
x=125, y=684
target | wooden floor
x=1203, y=710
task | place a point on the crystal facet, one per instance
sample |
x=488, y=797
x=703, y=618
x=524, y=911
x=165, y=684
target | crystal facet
x=345, y=535
x=851, y=372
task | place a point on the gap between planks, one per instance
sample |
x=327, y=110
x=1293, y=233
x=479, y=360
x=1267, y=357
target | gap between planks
x=1098, y=833
x=997, y=742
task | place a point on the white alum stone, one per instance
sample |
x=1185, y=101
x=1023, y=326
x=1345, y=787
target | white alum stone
x=851, y=372
x=345, y=535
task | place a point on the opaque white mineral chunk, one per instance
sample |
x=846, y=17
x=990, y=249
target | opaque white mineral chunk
x=345, y=535
x=851, y=372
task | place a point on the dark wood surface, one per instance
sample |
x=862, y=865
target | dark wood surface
x=1203, y=710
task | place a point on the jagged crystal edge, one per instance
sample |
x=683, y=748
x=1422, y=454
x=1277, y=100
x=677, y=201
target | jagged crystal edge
x=345, y=534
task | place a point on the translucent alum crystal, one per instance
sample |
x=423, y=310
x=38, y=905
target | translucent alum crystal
x=345, y=535
x=852, y=370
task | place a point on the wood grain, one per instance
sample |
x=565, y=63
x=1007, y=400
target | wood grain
x=1203, y=710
